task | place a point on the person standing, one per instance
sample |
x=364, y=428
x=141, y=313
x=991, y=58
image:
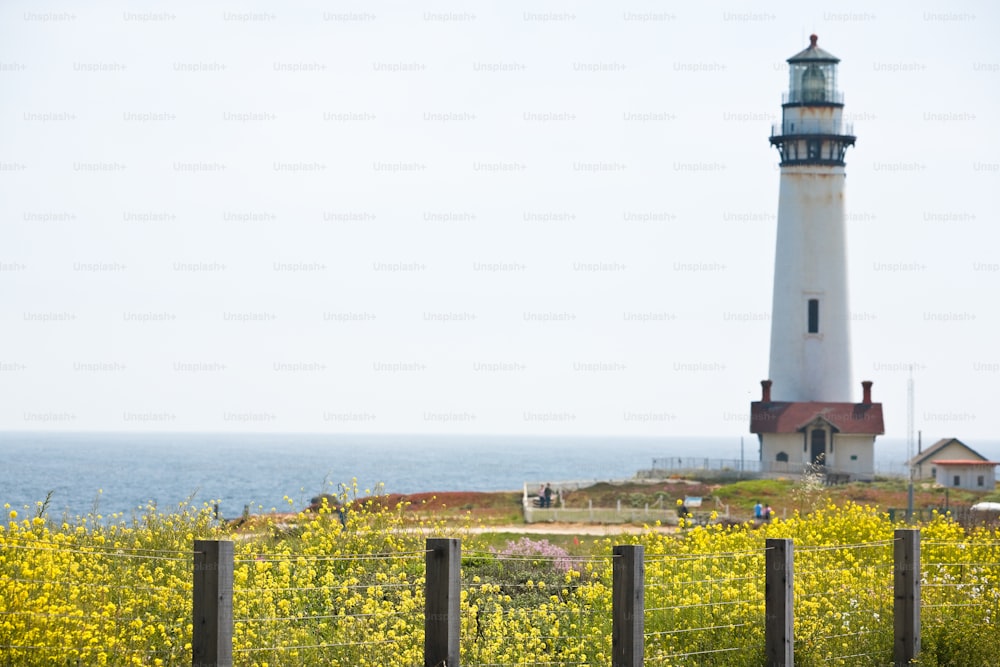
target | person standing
x=758, y=511
x=548, y=495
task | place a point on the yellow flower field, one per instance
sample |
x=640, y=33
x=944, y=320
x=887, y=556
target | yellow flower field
x=315, y=591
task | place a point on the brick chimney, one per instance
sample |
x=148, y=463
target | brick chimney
x=765, y=386
x=866, y=389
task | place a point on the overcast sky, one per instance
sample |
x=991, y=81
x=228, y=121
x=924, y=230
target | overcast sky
x=475, y=217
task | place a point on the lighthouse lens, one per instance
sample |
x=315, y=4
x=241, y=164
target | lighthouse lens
x=813, y=85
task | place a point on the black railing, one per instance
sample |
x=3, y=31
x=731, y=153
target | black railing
x=812, y=127
x=812, y=97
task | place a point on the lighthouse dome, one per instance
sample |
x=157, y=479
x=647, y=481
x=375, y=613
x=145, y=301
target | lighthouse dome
x=813, y=54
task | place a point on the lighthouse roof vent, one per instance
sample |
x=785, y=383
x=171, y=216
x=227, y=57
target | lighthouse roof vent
x=813, y=54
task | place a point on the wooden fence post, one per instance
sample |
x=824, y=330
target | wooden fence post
x=442, y=622
x=212, y=636
x=906, y=588
x=779, y=641
x=627, y=606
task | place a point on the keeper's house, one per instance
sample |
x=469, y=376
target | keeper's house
x=947, y=449
x=837, y=439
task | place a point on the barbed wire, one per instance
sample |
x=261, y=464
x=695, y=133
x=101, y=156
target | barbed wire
x=885, y=590
x=96, y=547
x=304, y=647
x=519, y=664
x=331, y=587
x=853, y=655
x=953, y=604
x=857, y=568
x=324, y=617
x=837, y=547
x=539, y=586
x=702, y=581
x=703, y=604
x=279, y=558
x=98, y=552
x=511, y=611
x=724, y=554
x=92, y=585
x=726, y=626
x=961, y=584
x=661, y=656
x=847, y=634
x=523, y=557
x=92, y=617
x=88, y=649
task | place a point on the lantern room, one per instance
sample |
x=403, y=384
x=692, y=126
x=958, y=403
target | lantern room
x=813, y=77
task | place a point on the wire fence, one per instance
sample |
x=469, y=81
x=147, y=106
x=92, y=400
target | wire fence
x=960, y=598
x=705, y=608
x=554, y=608
x=344, y=609
x=844, y=603
x=70, y=602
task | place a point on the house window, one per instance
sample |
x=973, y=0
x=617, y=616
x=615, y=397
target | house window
x=813, y=316
x=933, y=472
x=783, y=457
x=956, y=481
x=980, y=481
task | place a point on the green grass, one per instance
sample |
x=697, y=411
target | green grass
x=746, y=493
x=993, y=497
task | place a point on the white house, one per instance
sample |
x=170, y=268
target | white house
x=837, y=438
x=951, y=449
x=967, y=474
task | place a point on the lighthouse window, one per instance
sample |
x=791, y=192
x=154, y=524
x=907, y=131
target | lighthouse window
x=813, y=84
x=813, y=148
x=813, y=316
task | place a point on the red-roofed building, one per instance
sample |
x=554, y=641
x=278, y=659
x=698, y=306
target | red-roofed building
x=838, y=438
x=971, y=474
x=949, y=449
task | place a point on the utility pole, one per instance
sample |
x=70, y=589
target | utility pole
x=909, y=444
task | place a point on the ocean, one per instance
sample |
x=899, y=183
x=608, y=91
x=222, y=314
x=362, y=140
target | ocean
x=121, y=472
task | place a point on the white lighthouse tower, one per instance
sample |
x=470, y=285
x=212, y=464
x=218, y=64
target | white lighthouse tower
x=805, y=416
x=810, y=338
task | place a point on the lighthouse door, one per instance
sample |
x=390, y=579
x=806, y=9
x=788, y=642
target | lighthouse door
x=818, y=447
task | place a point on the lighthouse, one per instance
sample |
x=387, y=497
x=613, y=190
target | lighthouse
x=805, y=416
x=810, y=337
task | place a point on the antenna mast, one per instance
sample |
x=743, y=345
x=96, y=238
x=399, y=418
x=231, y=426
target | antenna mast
x=909, y=442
